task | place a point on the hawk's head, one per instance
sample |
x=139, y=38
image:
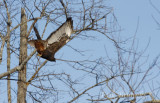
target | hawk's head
x=40, y=45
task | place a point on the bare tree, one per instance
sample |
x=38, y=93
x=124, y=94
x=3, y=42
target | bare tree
x=77, y=75
x=23, y=54
x=8, y=50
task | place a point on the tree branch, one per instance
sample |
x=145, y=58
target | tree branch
x=20, y=67
x=30, y=80
x=89, y=89
x=65, y=8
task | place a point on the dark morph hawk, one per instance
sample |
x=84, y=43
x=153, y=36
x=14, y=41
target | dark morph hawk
x=57, y=39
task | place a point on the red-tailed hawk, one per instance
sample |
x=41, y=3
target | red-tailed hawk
x=57, y=39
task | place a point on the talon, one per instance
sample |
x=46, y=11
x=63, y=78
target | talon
x=39, y=54
x=27, y=83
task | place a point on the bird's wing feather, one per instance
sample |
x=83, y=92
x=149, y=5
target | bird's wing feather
x=54, y=47
x=65, y=29
x=37, y=33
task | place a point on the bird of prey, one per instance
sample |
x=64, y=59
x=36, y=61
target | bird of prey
x=57, y=39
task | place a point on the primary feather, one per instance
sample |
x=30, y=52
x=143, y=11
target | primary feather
x=65, y=29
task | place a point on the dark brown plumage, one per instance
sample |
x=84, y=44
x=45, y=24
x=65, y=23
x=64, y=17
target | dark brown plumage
x=57, y=39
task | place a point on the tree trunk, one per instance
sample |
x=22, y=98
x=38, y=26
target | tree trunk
x=8, y=63
x=22, y=88
x=8, y=51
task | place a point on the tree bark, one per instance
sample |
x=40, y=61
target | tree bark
x=8, y=63
x=8, y=68
x=8, y=51
x=22, y=88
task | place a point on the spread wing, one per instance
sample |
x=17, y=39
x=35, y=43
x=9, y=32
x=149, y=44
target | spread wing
x=65, y=30
x=50, y=51
x=54, y=42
